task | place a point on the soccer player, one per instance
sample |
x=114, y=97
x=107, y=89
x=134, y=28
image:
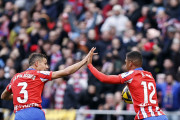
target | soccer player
x=26, y=87
x=141, y=84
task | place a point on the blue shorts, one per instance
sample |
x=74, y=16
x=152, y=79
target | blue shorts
x=161, y=117
x=31, y=113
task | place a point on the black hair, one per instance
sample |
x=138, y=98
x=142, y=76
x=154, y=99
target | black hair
x=135, y=57
x=36, y=56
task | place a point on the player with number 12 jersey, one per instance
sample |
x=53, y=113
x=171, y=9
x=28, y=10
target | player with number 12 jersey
x=27, y=88
x=141, y=85
x=143, y=91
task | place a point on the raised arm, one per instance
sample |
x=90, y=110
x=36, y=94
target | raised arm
x=73, y=68
x=112, y=79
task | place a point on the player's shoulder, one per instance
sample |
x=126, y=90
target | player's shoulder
x=44, y=72
x=125, y=74
x=17, y=75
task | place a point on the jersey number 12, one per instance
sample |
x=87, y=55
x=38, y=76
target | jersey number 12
x=146, y=88
x=23, y=91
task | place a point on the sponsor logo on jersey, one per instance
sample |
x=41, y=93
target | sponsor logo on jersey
x=17, y=107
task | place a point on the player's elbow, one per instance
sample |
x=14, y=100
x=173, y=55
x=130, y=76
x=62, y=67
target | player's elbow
x=3, y=97
x=6, y=95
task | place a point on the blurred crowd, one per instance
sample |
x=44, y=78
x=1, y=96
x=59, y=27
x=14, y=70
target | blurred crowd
x=65, y=30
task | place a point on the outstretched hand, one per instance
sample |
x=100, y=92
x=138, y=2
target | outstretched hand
x=91, y=53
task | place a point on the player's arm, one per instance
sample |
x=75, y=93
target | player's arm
x=73, y=68
x=69, y=70
x=6, y=95
x=112, y=79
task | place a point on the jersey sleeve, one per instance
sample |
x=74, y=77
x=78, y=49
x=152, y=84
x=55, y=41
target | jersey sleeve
x=8, y=88
x=127, y=77
x=45, y=75
x=112, y=79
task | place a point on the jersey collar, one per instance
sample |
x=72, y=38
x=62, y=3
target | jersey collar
x=140, y=68
x=31, y=69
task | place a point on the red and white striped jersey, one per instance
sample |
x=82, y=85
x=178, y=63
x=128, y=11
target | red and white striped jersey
x=27, y=88
x=142, y=87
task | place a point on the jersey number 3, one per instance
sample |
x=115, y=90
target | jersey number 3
x=146, y=88
x=23, y=91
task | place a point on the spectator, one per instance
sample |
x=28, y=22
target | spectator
x=120, y=105
x=4, y=51
x=84, y=26
x=49, y=8
x=116, y=20
x=9, y=8
x=2, y=80
x=170, y=95
x=64, y=96
x=118, y=48
x=89, y=97
x=109, y=105
x=4, y=83
x=133, y=12
x=56, y=55
x=168, y=66
x=107, y=9
x=142, y=18
x=79, y=80
x=162, y=19
x=104, y=43
x=160, y=78
x=173, y=9
x=175, y=48
x=91, y=36
x=4, y=20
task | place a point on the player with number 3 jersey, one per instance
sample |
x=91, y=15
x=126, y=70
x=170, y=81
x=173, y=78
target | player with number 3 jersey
x=26, y=88
x=141, y=85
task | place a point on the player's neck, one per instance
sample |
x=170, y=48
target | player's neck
x=134, y=67
x=32, y=67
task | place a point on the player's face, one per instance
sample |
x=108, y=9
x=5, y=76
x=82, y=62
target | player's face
x=42, y=65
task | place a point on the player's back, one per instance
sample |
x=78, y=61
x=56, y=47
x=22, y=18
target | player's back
x=27, y=88
x=143, y=92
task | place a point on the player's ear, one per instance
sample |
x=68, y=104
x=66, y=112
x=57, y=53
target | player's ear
x=36, y=63
x=131, y=63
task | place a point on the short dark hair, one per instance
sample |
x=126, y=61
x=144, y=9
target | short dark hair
x=36, y=56
x=135, y=57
